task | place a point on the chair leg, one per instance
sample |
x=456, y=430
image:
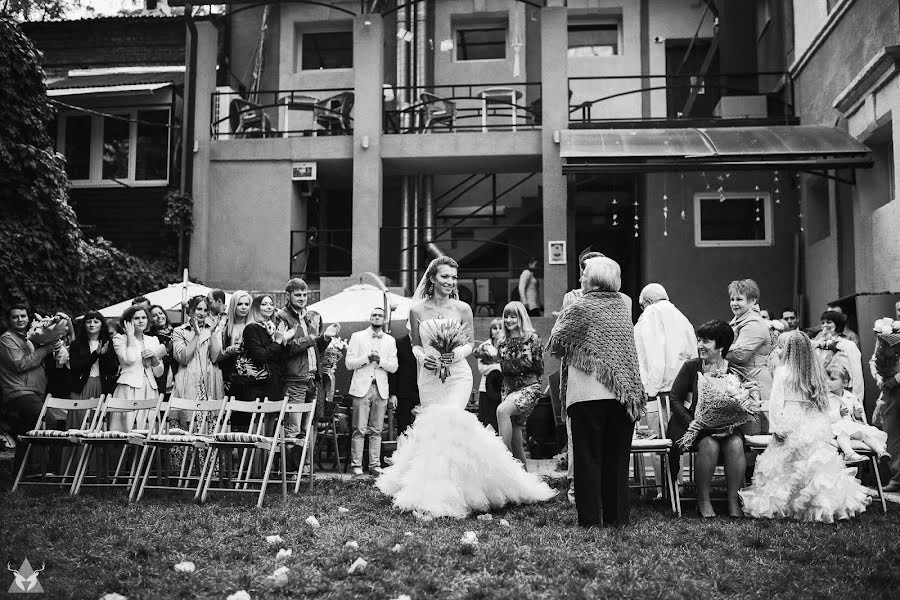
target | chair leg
x=140, y=466
x=265, y=480
x=22, y=467
x=79, y=477
x=878, y=482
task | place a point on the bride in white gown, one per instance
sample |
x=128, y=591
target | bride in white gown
x=448, y=464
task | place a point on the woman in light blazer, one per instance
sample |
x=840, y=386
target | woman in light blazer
x=140, y=360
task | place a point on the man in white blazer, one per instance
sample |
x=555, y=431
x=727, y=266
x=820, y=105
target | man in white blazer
x=371, y=355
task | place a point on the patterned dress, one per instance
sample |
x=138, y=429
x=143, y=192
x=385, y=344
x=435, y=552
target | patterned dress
x=522, y=365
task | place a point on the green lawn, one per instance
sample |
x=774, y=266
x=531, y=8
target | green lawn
x=97, y=543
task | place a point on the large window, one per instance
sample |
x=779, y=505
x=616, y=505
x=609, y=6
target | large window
x=595, y=39
x=484, y=40
x=121, y=145
x=733, y=219
x=326, y=50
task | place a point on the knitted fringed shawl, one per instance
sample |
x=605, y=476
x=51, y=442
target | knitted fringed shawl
x=596, y=335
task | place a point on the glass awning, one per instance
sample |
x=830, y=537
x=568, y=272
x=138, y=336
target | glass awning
x=656, y=150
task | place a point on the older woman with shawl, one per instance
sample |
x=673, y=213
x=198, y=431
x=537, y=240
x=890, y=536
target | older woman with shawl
x=601, y=387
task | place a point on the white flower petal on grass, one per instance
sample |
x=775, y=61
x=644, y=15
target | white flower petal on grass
x=185, y=567
x=279, y=577
x=113, y=596
x=485, y=517
x=469, y=538
x=504, y=522
x=343, y=510
x=359, y=565
x=283, y=554
x=402, y=597
x=273, y=539
x=312, y=521
x=422, y=516
x=351, y=544
x=397, y=548
x=239, y=595
x=282, y=570
x=408, y=533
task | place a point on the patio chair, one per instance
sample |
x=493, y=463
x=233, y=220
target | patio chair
x=248, y=120
x=204, y=420
x=44, y=438
x=333, y=113
x=758, y=443
x=255, y=439
x=437, y=111
x=659, y=446
x=141, y=413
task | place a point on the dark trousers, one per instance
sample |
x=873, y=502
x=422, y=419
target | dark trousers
x=21, y=414
x=404, y=413
x=489, y=400
x=601, y=437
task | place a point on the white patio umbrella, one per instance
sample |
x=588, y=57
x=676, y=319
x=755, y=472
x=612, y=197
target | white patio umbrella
x=170, y=297
x=356, y=302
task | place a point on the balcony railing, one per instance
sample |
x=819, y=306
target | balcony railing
x=617, y=98
x=317, y=253
x=463, y=107
x=282, y=113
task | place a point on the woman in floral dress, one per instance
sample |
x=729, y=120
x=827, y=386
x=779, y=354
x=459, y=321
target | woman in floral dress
x=522, y=364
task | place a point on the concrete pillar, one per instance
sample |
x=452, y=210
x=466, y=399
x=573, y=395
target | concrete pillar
x=555, y=118
x=197, y=149
x=368, y=69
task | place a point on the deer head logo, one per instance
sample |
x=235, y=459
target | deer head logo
x=26, y=579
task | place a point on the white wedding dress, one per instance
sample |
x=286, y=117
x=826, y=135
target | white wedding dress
x=448, y=464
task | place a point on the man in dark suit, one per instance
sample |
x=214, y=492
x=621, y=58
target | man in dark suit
x=404, y=389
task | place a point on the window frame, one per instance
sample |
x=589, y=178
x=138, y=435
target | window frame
x=323, y=31
x=95, y=168
x=768, y=225
x=480, y=24
x=587, y=22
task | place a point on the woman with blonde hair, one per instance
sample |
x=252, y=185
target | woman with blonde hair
x=258, y=369
x=521, y=356
x=801, y=475
x=227, y=336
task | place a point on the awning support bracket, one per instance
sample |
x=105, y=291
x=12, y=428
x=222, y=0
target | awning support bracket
x=828, y=175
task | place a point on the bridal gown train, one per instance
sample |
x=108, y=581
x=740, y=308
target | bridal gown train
x=448, y=464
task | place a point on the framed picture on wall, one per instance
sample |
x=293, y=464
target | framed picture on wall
x=557, y=252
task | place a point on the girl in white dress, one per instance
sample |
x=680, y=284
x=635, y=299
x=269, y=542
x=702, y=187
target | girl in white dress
x=848, y=418
x=449, y=465
x=801, y=475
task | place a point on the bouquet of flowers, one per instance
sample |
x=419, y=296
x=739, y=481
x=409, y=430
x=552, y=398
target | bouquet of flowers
x=445, y=337
x=45, y=330
x=485, y=352
x=776, y=328
x=887, y=355
x=333, y=354
x=723, y=403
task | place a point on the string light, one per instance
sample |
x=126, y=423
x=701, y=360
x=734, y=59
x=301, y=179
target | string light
x=777, y=186
x=615, y=222
x=665, y=215
x=683, y=213
x=637, y=225
x=704, y=179
x=756, y=189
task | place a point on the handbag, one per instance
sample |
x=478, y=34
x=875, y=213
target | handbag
x=246, y=371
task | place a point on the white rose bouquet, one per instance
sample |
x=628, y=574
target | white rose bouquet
x=45, y=330
x=723, y=403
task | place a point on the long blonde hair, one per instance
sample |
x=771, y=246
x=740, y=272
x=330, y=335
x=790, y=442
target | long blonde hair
x=525, y=326
x=230, y=314
x=497, y=321
x=805, y=373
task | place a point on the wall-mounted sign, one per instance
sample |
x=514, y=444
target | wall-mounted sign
x=303, y=171
x=557, y=252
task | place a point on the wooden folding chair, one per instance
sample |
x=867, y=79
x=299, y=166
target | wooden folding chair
x=204, y=421
x=250, y=442
x=142, y=413
x=304, y=443
x=659, y=446
x=47, y=438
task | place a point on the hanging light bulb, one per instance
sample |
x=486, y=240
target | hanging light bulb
x=777, y=189
x=683, y=215
x=665, y=215
x=615, y=220
x=637, y=225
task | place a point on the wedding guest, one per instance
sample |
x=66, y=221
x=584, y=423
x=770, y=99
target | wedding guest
x=789, y=316
x=887, y=410
x=93, y=365
x=22, y=378
x=263, y=340
x=664, y=339
x=602, y=391
x=831, y=347
x=489, y=362
x=752, y=344
x=198, y=377
x=529, y=292
x=215, y=301
x=848, y=419
x=800, y=474
x=371, y=355
x=56, y=366
x=161, y=329
x=403, y=384
x=847, y=332
x=141, y=301
x=714, y=340
x=225, y=343
x=140, y=365
x=302, y=367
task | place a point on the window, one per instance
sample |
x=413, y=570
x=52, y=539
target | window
x=594, y=39
x=327, y=50
x=130, y=145
x=484, y=41
x=741, y=219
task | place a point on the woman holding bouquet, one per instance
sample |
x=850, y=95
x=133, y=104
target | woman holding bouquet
x=801, y=475
x=450, y=465
x=522, y=364
x=714, y=339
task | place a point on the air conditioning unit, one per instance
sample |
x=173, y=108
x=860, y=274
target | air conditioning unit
x=221, y=126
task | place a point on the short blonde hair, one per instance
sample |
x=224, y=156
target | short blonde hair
x=744, y=287
x=602, y=274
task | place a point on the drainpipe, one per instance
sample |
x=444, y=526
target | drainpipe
x=405, y=237
x=403, y=94
x=414, y=183
x=421, y=41
x=187, y=141
x=428, y=193
x=423, y=76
